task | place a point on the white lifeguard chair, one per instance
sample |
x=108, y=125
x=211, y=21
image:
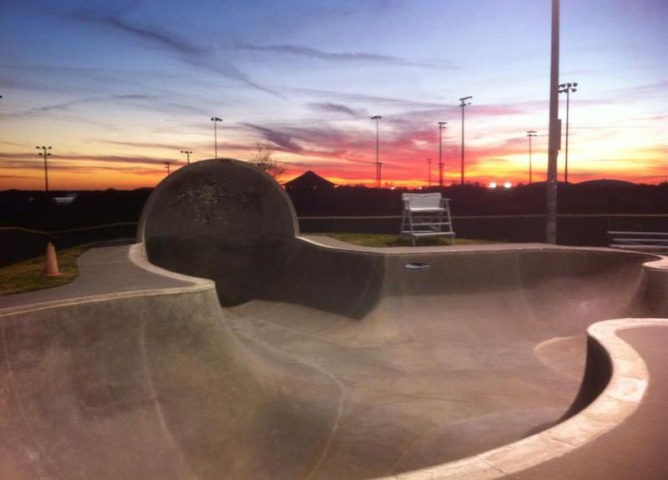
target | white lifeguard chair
x=426, y=215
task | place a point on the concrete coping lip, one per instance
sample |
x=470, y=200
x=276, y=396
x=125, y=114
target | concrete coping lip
x=137, y=255
x=620, y=399
x=660, y=262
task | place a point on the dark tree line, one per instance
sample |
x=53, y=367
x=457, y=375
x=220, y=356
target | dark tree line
x=37, y=210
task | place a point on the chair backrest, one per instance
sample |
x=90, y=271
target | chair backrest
x=421, y=200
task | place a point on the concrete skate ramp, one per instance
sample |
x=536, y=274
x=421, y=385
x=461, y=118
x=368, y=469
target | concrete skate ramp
x=476, y=350
x=161, y=382
x=221, y=219
x=151, y=385
x=424, y=357
x=334, y=364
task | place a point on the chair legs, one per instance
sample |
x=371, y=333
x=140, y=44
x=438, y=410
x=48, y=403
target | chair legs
x=436, y=222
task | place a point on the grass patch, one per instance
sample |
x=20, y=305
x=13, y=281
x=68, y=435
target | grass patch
x=388, y=240
x=28, y=275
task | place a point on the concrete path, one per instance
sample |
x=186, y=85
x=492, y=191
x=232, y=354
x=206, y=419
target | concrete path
x=102, y=271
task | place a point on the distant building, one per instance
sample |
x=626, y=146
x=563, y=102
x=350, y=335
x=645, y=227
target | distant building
x=309, y=182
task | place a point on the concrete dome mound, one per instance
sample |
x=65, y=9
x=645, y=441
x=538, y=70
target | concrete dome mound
x=220, y=219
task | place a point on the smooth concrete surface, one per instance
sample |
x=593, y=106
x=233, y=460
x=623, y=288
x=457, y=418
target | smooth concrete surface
x=303, y=358
x=479, y=349
x=636, y=447
x=221, y=219
x=418, y=369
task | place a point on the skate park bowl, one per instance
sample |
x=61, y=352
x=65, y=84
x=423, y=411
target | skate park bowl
x=224, y=345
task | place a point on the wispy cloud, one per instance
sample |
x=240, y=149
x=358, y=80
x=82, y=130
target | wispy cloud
x=315, y=54
x=142, y=101
x=74, y=103
x=29, y=160
x=134, y=159
x=656, y=89
x=185, y=50
x=282, y=139
x=175, y=147
x=305, y=144
x=338, y=108
x=151, y=34
x=377, y=101
x=407, y=136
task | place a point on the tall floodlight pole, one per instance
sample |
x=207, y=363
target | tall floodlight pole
x=45, y=153
x=187, y=152
x=215, y=121
x=378, y=164
x=441, y=127
x=167, y=167
x=429, y=172
x=567, y=88
x=463, y=102
x=555, y=133
x=530, y=134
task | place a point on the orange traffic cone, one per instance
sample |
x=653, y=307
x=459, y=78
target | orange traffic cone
x=51, y=266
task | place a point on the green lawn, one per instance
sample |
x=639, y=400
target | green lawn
x=28, y=275
x=389, y=240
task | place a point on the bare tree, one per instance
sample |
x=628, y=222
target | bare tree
x=263, y=159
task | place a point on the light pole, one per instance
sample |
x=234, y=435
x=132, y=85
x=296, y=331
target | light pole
x=554, y=132
x=567, y=88
x=429, y=172
x=378, y=164
x=530, y=134
x=167, y=167
x=187, y=152
x=45, y=154
x=463, y=102
x=441, y=127
x=215, y=121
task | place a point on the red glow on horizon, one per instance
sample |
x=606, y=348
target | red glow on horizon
x=404, y=165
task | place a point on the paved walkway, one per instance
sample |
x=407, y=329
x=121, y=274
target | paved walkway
x=102, y=271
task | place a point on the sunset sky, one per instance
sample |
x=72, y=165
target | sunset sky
x=117, y=88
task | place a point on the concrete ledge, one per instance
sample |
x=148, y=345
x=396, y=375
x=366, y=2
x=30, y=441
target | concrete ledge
x=334, y=244
x=137, y=257
x=660, y=264
x=616, y=404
